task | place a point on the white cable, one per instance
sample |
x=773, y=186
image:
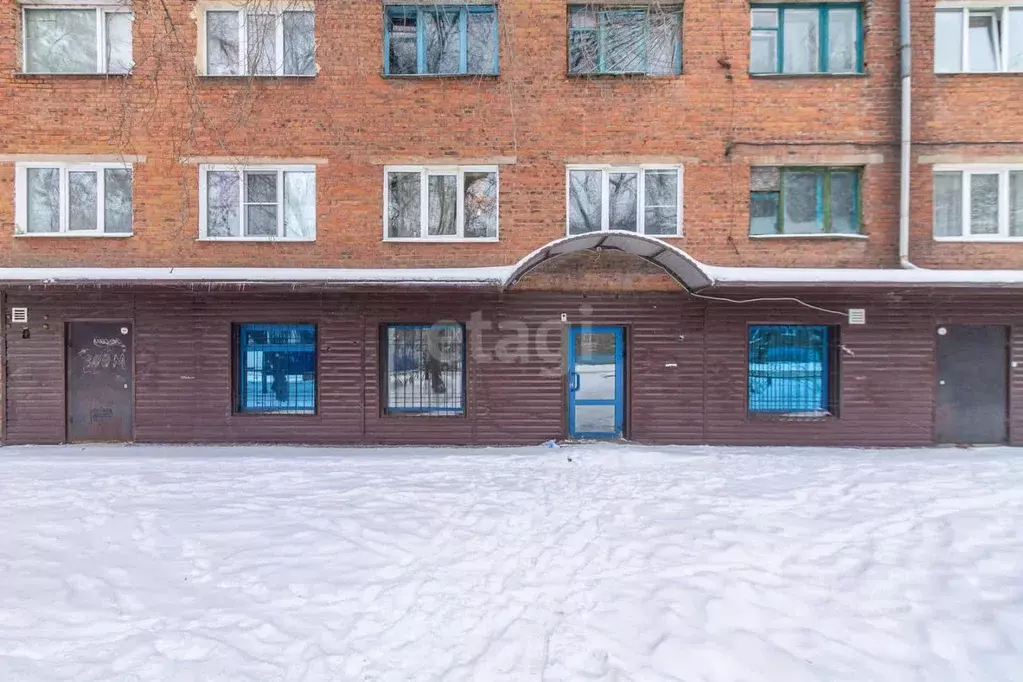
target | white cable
x=783, y=299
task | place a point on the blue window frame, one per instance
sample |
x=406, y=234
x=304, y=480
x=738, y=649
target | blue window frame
x=804, y=201
x=645, y=40
x=276, y=367
x=806, y=38
x=790, y=369
x=424, y=369
x=440, y=40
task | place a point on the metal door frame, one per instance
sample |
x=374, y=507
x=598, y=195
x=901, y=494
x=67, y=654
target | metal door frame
x=936, y=377
x=572, y=382
x=67, y=371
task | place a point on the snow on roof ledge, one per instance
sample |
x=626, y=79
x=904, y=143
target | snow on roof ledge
x=494, y=276
x=732, y=276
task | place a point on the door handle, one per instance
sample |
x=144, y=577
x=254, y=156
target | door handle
x=574, y=382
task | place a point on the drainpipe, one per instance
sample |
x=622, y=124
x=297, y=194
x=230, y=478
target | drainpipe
x=906, y=58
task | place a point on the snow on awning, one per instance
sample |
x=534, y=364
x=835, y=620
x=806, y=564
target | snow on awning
x=684, y=269
x=736, y=276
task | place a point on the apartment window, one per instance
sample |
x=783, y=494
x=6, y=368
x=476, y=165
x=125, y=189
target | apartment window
x=792, y=370
x=983, y=39
x=801, y=38
x=804, y=201
x=80, y=200
x=440, y=40
x=646, y=200
x=261, y=203
x=644, y=40
x=267, y=39
x=276, y=368
x=77, y=40
x=978, y=203
x=441, y=203
x=424, y=369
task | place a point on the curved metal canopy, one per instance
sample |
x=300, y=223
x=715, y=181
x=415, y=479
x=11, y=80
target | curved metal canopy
x=684, y=269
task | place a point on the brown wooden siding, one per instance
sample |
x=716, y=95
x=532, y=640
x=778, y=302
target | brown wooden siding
x=686, y=370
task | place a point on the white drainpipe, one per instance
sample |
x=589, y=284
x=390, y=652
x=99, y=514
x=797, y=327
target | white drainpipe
x=906, y=55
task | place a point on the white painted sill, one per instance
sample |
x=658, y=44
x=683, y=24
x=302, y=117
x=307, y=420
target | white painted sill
x=61, y=74
x=994, y=239
x=809, y=236
x=440, y=240
x=258, y=77
x=680, y=235
x=260, y=240
x=73, y=235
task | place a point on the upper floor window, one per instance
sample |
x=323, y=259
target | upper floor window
x=266, y=39
x=978, y=203
x=647, y=199
x=804, y=201
x=441, y=40
x=984, y=39
x=801, y=38
x=440, y=202
x=645, y=40
x=77, y=40
x=260, y=203
x=91, y=199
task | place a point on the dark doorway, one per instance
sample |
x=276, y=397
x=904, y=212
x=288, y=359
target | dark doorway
x=972, y=400
x=99, y=381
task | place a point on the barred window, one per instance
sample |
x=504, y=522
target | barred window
x=424, y=371
x=277, y=368
x=792, y=369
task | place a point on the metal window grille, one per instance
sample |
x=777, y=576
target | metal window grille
x=789, y=368
x=277, y=368
x=424, y=369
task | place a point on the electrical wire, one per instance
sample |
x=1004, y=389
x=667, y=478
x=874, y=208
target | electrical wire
x=779, y=299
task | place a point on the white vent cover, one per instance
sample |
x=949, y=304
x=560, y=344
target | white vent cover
x=857, y=316
x=19, y=315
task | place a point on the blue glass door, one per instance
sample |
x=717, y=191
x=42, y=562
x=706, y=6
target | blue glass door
x=596, y=382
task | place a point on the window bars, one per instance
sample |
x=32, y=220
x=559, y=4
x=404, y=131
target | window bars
x=424, y=372
x=277, y=368
x=789, y=369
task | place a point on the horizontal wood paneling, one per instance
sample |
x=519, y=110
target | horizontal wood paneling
x=686, y=373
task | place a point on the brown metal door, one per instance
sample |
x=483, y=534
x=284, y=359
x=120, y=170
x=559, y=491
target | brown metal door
x=99, y=381
x=972, y=399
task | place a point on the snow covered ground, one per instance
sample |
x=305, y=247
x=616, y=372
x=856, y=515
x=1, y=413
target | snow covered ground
x=626, y=563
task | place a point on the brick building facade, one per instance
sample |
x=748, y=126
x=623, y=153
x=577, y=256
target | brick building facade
x=312, y=221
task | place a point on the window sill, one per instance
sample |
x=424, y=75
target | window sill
x=71, y=235
x=205, y=77
x=638, y=234
x=791, y=416
x=809, y=236
x=624, y=76
x=278, y=415
x=442, y=76
x=783, y=76
x=978, y=73
x=441, y=240
x=255, y=240
x=22, y=75
x=982, y=240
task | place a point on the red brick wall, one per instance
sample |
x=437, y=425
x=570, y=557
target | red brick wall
x=356, y=119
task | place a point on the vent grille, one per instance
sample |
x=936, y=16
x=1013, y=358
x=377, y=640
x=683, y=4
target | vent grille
x=19, y=315
x=857, y=316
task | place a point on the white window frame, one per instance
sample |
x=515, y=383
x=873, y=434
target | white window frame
x=605, y=195
x=424, y=207
x=280, y=169
x=102, y=8
x=21, y=198
x=1003, y=171
x=275, y=9
x=1005, y=37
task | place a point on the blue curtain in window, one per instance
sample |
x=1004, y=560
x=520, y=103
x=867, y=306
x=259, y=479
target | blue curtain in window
x=277, y=368
x=788, y=369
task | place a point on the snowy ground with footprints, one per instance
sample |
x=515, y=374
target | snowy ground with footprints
x=587, y=562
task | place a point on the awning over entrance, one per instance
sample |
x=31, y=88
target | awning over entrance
x=683, y=269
